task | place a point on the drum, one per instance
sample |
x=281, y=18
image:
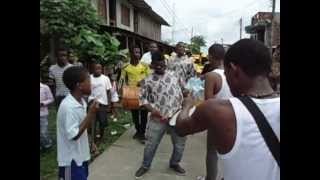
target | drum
x=130, y=97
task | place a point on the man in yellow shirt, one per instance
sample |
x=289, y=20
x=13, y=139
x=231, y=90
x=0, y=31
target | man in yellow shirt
x=131, y=75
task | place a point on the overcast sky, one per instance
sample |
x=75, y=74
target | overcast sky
x=214, y=19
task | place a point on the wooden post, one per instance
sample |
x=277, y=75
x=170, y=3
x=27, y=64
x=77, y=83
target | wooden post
x=141, y=45
x=134, y=41
x=241, y=28
x=127, y=42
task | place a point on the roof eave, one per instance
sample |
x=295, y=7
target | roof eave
x=145, y=8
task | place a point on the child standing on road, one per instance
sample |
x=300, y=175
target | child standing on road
x=46, y=98
x=72, y=123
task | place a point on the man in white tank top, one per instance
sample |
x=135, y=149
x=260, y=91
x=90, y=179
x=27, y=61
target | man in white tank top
x=216, y=87
x=240, y=145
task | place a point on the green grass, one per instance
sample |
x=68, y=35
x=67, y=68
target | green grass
x=48, y=159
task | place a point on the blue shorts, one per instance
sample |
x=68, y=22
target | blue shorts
x=74, y=172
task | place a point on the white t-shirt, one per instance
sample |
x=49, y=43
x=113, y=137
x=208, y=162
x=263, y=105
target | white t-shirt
x=250, y=158
x=99, y=87
x=70, y=115
x=146, y=58
x=224, y=92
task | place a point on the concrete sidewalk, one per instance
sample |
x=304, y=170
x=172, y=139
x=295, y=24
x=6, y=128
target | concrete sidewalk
x=124, y=157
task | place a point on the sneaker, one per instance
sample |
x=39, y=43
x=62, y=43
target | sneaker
x=136, y=136
x=201, y=178
x=178, y=169
x=47, y=147
x=141, y=171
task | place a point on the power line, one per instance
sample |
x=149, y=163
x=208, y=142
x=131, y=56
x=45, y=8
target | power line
x=172, y=12
x=174, y=19
x=167, y=10
x=238, y=10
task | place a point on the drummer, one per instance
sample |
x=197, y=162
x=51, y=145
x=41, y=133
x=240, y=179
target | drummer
x=161, y=94
x=132, y=74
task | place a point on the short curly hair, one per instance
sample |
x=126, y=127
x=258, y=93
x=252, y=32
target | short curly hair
x=217, y=51
x=251, y=55
x=74, y=75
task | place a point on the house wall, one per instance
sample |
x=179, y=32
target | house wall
x=148, y=27
x=119, y=24
x=96, y=4
x=108, y=11
x=275, y=34
x=276, y=30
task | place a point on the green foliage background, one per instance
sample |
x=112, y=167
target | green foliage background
x=76, y=23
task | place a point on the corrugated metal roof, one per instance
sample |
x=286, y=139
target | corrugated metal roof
x=142, y=6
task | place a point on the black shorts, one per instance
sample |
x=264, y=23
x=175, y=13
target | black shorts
x=102, y=116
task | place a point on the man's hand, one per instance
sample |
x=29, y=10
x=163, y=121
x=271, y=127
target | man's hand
x=188, y=102
x=94, y=107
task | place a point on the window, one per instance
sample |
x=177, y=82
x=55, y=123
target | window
x=102, y=9
x=125, y=15
x=112, y=12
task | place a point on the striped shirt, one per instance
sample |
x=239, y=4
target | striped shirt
x=56, y=73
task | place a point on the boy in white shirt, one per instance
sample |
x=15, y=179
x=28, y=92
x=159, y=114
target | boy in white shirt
x=72, y=123
x=100, y=90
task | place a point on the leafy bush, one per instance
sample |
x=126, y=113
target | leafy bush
x=76, y=23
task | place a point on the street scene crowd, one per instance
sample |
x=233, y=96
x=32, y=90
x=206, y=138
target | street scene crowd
x=161, y=102
x=106, y=75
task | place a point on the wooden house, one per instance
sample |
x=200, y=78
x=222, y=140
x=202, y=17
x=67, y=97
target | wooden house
x=133, y=22
x=264, y=30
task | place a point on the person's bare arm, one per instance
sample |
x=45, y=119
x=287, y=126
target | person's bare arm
x=217, y=115
x=212, y=85
x=88, y=119
x=197, y=122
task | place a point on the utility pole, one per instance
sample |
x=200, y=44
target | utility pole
x=241, y=28
x=272, y=19
x=222, y=41
x=191, y=34
x=173, y=23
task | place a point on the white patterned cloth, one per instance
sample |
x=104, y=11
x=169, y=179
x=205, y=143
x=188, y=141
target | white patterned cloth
x=162, y=92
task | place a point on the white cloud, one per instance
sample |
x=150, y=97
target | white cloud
x=215, y=19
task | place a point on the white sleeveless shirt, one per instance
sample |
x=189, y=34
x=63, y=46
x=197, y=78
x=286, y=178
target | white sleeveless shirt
x=224, y=92
x=250, y=158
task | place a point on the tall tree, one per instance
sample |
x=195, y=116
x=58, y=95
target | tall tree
x=196, y=43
